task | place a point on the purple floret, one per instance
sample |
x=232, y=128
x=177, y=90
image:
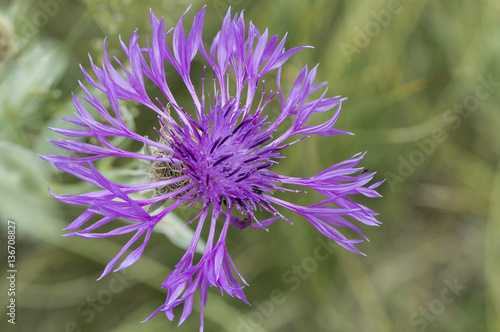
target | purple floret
x=217, y=152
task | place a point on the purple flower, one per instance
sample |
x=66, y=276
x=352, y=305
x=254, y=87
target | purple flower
x=217, y=152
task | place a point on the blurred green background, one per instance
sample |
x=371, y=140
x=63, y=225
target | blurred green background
x=423, y=82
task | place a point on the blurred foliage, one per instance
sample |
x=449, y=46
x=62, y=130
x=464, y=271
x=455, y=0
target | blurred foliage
x=423, y=81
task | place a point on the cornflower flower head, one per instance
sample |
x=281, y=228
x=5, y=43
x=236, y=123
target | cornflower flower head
x=216, y=152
